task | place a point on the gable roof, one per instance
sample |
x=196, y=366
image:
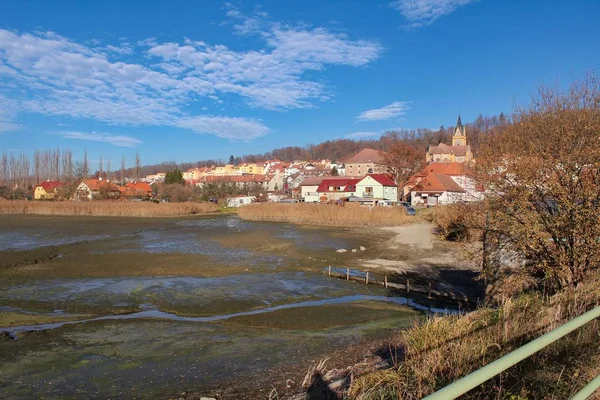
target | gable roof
x=367, y=156
x=438, y=183
x=49, y=186
x=349, y=185
x=383, y=179
x=95, y=185
x=139, y=186
x=443, y=148
x=451, y=169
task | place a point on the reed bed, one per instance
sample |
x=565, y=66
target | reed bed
x=106, y=208
x=326, y=215
x=441, y=350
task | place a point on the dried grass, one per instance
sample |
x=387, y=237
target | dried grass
x=106, y=208
x=326, y=215
x=444, y=349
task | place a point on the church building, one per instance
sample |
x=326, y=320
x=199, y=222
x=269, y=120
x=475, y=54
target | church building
x=460, y=151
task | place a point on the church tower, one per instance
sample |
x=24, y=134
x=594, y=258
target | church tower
x=460, y=134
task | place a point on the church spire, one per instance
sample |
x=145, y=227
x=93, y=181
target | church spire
x=460, y=136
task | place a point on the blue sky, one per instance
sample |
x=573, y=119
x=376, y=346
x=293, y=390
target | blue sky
x=190, y=80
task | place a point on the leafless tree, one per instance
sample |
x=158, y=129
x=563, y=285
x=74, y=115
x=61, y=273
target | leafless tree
x=541, y=174
x=122, y=174
x=138, y=166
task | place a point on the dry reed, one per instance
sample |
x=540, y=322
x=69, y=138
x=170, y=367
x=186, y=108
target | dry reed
x=443, y=349
x=327, y=215
x=106, y=208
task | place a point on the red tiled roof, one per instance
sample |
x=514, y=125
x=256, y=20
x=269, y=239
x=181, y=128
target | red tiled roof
x=384, y=179
x=49, y=186
x=349, y=185
x=95, y=184
x=438, y=183
x=139, y=187
x=367, y=156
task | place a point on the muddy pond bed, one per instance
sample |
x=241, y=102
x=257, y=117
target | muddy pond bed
x=95, y=307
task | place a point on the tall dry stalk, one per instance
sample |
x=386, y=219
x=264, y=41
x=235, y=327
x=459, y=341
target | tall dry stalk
x=106, y=208
x=327, y=215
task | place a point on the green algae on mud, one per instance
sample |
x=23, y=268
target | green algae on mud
x=192, y=267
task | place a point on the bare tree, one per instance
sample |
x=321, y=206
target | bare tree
x=85, y=167
x=122, y=174
x=541, y=174
x=138, y=166
x=403, y=160
x=108, y=169
x=100, y=167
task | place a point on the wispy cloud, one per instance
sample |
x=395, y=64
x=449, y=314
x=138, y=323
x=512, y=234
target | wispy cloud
x=228, y=128
x=7, y=115
x=424, y=12
x=153, y=83
x=115, y=140
x=362, y=135
x=395, y=109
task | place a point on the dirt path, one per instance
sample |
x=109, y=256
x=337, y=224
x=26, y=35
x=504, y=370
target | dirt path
x=415, y=252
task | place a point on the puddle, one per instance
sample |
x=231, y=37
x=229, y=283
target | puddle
x=161, y=315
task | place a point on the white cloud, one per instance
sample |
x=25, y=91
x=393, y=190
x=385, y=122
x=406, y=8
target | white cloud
x=395, y=109
x=9, y=126
x=424, y=12
x=116, y=140
x=152, y=83
x=362, y=135
x=228, y=128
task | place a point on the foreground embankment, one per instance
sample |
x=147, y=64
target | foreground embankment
x=441, y=350
x=325, y=215
x=106, y=208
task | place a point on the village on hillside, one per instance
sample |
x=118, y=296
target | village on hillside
x=364, y=178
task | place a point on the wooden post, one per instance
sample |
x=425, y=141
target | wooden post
x=347, y=274
x=385, y=281
x=330, y=270
x=367, y=278
x=407, y=285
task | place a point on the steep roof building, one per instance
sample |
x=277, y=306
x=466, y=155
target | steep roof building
x=460, y=151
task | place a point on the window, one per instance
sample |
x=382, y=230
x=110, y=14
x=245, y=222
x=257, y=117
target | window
x=370, y=171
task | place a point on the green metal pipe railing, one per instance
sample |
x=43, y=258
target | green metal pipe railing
x=483, y=374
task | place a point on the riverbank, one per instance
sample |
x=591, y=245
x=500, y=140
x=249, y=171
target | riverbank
x=348, y=215
x=106, y=208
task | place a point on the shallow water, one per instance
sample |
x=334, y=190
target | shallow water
x=208, y=300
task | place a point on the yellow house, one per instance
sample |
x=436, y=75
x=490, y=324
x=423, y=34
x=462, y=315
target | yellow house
x=226, y=170
x=253, y=168
x=46, y=190
x=460, y=151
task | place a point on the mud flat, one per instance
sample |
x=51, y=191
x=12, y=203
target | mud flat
x=148, y=308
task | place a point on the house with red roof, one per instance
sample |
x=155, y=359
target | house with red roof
x=90, y=189
x=461, y=176
x=136, y=189
x=371, y=189
x=377, y=186
x=46, y=190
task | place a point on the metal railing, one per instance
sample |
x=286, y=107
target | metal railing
x=367, y=194
x=487, y=372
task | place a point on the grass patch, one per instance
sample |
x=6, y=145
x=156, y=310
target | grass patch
x=107, y=208
x=326, y=215
x=441, y=350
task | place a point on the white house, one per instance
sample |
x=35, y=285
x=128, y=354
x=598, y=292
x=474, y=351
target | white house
x=437, y=189
x=239, y=201
x=377, y=186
